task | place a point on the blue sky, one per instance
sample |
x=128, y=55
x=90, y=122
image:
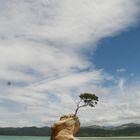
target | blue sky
x=121, y=51
x=51, y=51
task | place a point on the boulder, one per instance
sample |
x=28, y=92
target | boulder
x=65, y=128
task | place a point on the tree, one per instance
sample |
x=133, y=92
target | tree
x=86, y=99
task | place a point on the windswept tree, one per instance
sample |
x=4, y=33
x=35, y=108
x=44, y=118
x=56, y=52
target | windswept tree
x=86, y=99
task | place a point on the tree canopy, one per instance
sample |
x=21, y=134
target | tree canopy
x=86, y=99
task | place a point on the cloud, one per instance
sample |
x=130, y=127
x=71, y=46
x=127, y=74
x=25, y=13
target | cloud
x=132, y=74
x=43, y=52
x=118, y=108
x=120, y=70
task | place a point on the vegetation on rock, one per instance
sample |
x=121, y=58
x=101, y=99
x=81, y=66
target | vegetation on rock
x=86, y=99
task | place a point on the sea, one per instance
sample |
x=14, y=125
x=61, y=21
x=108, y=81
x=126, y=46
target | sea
x=79, y=138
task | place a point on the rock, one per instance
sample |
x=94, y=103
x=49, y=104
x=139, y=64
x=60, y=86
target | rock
x=65, y=128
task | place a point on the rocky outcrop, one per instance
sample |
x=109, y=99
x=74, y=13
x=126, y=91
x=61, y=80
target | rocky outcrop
x=65, y=128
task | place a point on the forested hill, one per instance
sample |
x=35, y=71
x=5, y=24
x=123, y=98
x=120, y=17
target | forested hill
x=26, y=131
x=123, y=130
x=89, y=131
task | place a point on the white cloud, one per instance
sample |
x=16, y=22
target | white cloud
x=118, y=108
x=120, y=70
x=121, y=82
x=132, y=74
x=42, y=52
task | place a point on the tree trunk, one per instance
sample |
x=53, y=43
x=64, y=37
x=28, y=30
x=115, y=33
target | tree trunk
x=76, y=111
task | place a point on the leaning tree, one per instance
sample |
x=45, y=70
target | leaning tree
x=86, y=99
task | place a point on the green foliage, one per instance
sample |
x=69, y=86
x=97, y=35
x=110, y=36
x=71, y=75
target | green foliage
x=86, y=99
x=89, y=99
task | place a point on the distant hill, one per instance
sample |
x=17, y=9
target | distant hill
x=26, y=131
x=129, y=125
x=130, y=129
x=123, y=126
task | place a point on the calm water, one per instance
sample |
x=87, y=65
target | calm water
x=47, y=138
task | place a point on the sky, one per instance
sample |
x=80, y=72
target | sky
x=53, y=50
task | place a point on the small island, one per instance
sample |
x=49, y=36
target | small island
x=68, y=125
